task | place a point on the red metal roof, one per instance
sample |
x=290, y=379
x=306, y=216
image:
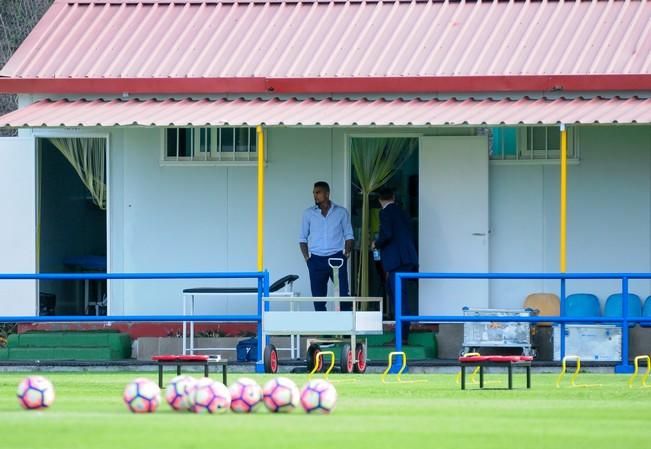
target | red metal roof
x=292, y=39
x=330, y=112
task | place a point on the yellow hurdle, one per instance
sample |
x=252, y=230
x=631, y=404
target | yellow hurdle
x=402, y=368
x=319, y=356
x=473, y=376
x=574, y=375
x=646, y=375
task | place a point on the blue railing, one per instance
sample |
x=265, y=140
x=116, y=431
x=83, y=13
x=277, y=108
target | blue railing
x=263, y=290
x=624, y=320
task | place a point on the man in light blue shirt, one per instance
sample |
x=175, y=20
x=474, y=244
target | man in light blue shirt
x=326, y=233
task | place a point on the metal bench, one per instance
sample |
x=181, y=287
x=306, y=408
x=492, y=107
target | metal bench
x=501, y=361
x=190, y=360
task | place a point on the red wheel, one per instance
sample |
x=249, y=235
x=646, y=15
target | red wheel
x=346, y=361
x=270, y=359
x=274, y=362
x=360, y=355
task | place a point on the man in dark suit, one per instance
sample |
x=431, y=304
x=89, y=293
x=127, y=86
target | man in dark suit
x=397, y=249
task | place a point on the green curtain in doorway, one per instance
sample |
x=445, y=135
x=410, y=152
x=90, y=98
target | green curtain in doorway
x=88, y=157
x=374, y=161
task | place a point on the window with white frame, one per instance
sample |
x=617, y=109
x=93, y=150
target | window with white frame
x=531, y=143
x=210, y=144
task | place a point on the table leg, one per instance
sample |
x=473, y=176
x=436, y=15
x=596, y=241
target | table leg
x=510, y=370
x=481, y=376
x=463, y=377
x=160, y=375
x=192, y=326
x=86, y=295
x=185, y=327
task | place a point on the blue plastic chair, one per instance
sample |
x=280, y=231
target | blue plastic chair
x=646, y=310
x=613, y=307
x=582, y=305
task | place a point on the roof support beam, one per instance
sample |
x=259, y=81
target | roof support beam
x=308, y=86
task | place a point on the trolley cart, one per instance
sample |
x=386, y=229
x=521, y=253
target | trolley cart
x=497, y=334
x=349, y=324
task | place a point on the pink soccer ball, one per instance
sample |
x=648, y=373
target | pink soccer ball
x=178, y=393
x=35, y=392
x=142, y=396
x=281, y=395
x=318, y=396
x=210, y=396
x=246, y=395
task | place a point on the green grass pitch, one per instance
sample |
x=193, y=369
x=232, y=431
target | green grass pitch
x=89, y=413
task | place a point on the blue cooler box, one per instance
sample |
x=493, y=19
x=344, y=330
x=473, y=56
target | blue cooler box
x=247, y=350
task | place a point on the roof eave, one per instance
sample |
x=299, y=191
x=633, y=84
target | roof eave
x=322, y=85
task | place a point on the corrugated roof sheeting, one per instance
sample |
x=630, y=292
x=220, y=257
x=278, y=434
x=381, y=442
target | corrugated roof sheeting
x=329, y=112
x=335, y=39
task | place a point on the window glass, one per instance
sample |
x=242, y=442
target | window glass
x=553, y=138
x=204, y=140
x=228, y=140
x=210, y=144
x=504, y=142
x=241, y=139
x=253, y=138
x=185, y=142
x=170, y=142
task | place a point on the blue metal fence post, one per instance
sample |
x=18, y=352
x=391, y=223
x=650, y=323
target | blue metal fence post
x=397, y=362
x=398, y=311
x=624, y=367
x=263, y=290
x=562, y=325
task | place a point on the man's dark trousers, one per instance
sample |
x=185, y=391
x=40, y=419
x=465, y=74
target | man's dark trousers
x=321, y=272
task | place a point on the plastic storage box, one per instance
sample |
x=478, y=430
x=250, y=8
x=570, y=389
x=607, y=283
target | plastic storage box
x=497, y=334
x=591, y=342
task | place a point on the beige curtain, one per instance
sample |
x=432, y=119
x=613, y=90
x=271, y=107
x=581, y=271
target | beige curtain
x=374, y=161
x=88, y=158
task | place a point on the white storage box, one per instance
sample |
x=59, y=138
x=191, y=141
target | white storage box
x=591, y=342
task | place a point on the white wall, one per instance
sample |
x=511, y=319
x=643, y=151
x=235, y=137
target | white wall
x=204, y=218
x=17, y=225
x=608, y=227
x=176, y=219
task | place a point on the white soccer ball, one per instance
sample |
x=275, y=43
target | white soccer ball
x=178, y=393
x=246, y=395
x=281, y=395
x=318, y=396
x=210, y=396
x=142, y=396
x=35, y=392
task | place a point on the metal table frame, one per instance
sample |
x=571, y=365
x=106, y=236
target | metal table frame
x=205, y=363
x=509, y=368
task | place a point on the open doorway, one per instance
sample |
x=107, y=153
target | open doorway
x=403, y=179
x=71, y=231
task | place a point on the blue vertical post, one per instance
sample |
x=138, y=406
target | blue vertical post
x=562, y=326
x=624, y=367
x=398, y=311
x=397, y=362
x=263, y=291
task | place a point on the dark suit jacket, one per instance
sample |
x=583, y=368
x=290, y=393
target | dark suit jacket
x=395, y=241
